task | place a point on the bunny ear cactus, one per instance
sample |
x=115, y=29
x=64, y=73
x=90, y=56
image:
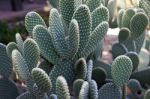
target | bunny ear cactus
x=83, y=12
x=124, y=34
x=147, y=94
x=45, y=43
x=10, y=47
x=93, y=4
x=93, y=90
x=26, y=95
x=81, y=68
x=89, y=70
x=62, y=90
x=31, y=20
x=5, y=62
x=41, y=79
x=84, y=92
x=53, y=96
x=19, y=42
x=77, y=84
x=121, y=70
x=109, y=91
x=54, y=3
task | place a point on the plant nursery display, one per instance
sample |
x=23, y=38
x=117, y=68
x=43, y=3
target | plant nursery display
x=62, y=60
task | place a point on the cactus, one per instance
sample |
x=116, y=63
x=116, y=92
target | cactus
x=19, y=42
x=8, y=89
x=109, y=91
x=124, y=34
x=120, y=17
x=121, y=70
x=53, y=96
x=99, y=75
x=93, y=90
x=93, y=4
x=81, y=68
x=77, y=84
x=10, y=47
x=84, y=92
x=134, y=58
x=41, y=79
x=134, y=85
x=62, y=90
x=118, y=49
x=26, y=95
x=89, y=70
x=147, y=94
x=31, y=20
x=5, y=62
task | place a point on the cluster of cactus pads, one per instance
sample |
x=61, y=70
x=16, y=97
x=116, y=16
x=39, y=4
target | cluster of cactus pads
x=57, y=61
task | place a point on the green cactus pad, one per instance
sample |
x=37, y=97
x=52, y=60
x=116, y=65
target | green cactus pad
x=111, y=8
x=99, y=75
x=109, y=91
x=19, y=42
x=124, y=34
x=10, y=47
x=84, y=92
x=77, y=84
x=20, y=65
x=74, y=38
x=8, y=89
x=93, y=91
x=26, y=95
x=138, y=24
x=118, y=49
x=147, y=94
x=99, y=15
x=63, y=68
x=95, y=38
x=130, y=44
x=5, y=62
x=134, y=85
x=57, y=33
x=67, y=10
x=119, y=17
x=93, y=4
x=31, y=20
x=89, y=70
x=44, y=41
x=31, y=53
x=83, y=17
x=41, y=79
x=62, y=90
x=81, y=68
x=121, y=70
x=135, y=59
x=127, y=16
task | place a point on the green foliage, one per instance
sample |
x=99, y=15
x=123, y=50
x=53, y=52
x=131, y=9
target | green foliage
x=109, y=91
x=62, y=90
x=5, y=62
x=77, y=84
x=121, y=70
x=41, y=79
